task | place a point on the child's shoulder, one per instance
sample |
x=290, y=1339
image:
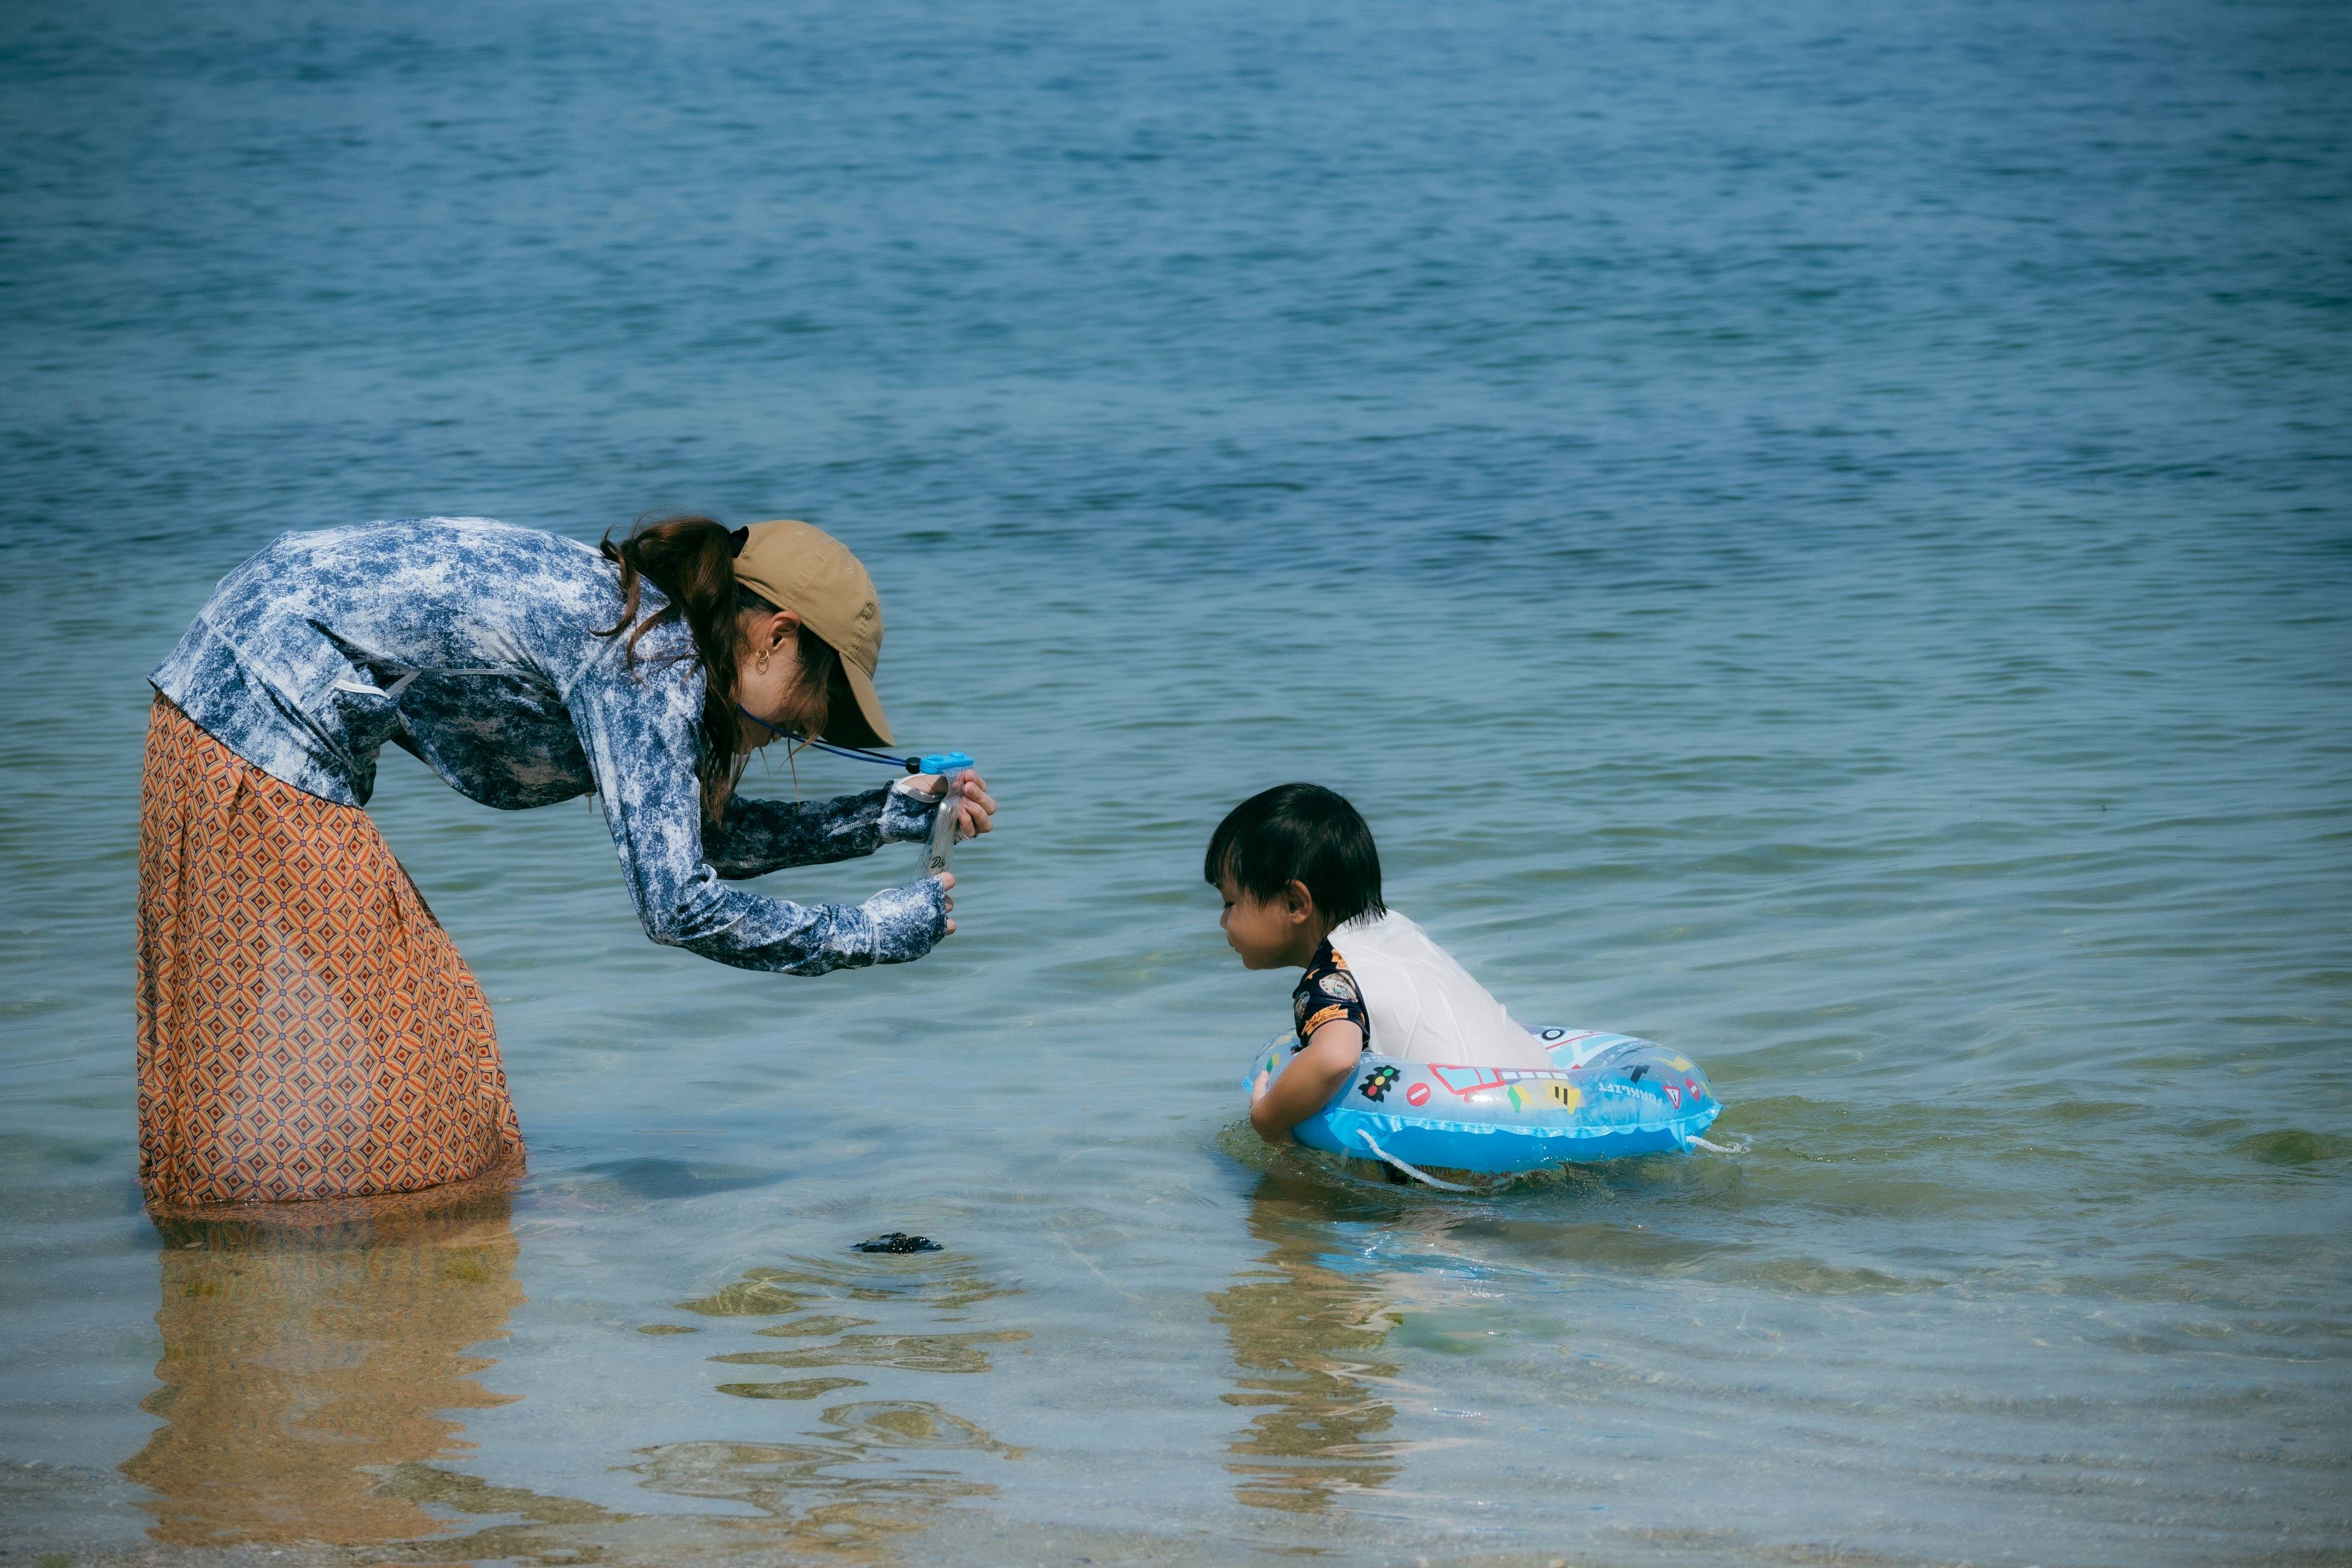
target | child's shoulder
x=1325, y=994
x=1328, y=964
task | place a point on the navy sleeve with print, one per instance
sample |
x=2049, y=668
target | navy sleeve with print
x=483, y=650
x=1326, y=994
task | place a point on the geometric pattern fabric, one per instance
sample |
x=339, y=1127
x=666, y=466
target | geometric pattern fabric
x=306, y=1027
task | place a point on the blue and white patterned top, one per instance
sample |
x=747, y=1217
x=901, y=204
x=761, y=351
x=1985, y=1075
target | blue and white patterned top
x=473, y=645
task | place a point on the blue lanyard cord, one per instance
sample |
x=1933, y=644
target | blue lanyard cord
x=909, y=765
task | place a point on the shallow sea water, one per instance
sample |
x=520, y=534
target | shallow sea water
x=1815, y=534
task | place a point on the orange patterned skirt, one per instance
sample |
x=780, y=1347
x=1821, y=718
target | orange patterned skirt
x=306, y=1027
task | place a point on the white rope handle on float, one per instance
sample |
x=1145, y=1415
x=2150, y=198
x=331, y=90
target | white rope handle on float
x=1413, y=1171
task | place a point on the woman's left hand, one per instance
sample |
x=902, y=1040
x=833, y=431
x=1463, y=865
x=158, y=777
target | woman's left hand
x=975, y=808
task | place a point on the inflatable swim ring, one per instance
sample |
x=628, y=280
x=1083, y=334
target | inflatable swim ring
x=1604, y=1095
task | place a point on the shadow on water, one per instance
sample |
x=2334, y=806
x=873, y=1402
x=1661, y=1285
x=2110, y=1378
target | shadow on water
x=660, y=1180
x=310, y=1363
x=875, y=1470
x=944, y=1284
x=297, y=1359
x=1306, y=1337
x=854, y=1489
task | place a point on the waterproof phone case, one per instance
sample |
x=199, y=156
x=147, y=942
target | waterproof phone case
x=950, y=767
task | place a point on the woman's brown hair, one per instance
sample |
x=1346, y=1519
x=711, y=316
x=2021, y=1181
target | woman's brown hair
x=691, y=561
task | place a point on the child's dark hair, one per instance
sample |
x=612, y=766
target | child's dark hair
x=1299, y=832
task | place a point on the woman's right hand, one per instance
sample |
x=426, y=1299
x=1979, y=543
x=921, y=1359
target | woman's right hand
x=974, y=808
x=976, y=811
x=946, y=879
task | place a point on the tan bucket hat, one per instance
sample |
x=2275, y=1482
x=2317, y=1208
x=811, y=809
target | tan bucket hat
x=807, y=571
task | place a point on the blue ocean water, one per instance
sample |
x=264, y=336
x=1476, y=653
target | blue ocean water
x=1817, y=536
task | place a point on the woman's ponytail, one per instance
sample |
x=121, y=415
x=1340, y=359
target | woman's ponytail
x=691, y=559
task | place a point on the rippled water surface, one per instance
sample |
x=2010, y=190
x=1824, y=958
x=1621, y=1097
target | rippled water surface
x=1816, y=534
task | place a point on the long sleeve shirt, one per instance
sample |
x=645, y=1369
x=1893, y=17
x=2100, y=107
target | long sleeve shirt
x=476, y=646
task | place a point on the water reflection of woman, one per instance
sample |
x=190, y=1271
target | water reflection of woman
x=306, y=1027
x=296, y=1357
x=1303, y=1339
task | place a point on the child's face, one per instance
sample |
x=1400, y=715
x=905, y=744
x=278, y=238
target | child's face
x=1271, y=933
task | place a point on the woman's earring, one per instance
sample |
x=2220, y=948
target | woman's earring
x=763, y=661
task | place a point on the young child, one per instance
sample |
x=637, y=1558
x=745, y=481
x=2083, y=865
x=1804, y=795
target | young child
x=1301, y=883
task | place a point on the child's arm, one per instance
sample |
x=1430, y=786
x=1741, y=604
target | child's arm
x=1308, y=1084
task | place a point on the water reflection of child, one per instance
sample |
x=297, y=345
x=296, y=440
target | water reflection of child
x=1297, y=867
x=1309, y=1343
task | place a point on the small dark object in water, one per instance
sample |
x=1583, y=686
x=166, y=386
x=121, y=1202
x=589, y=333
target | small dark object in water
x=899, y=1241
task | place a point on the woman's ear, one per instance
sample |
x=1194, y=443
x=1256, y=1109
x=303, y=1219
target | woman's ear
x=774, y=631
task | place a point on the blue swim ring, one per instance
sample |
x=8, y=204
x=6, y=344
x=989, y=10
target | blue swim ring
x=1605, y=1096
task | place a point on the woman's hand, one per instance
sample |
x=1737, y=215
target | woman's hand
x=974, y=808
x=946, y=879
